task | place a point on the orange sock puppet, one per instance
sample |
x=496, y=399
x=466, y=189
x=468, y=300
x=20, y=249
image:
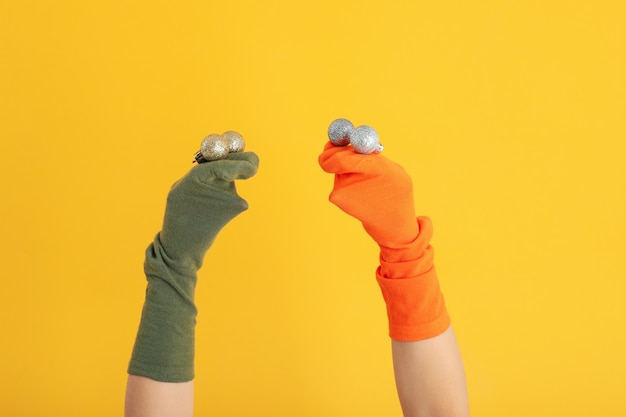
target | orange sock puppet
x=379, y=193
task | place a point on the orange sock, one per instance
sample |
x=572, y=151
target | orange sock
x=410, y=287
x=379, y=193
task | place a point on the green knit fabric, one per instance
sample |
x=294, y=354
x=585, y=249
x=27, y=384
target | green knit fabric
x=198, y=206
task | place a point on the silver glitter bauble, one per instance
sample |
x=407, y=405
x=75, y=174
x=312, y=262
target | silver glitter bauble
x=214, y=147
x=235, y=141
x=339, y=132
x=364, y=139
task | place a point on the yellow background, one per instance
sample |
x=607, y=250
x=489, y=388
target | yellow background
x=509, y=116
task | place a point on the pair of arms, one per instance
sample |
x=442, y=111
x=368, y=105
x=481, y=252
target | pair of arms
x=373, y=189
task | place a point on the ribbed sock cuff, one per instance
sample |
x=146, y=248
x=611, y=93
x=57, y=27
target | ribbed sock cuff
x=408, y=280
x=416, y=308
x=165, y=341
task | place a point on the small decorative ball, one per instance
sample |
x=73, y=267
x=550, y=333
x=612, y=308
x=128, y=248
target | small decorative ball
x=364, y=140
x=235, y=141
x=214, y=147
x=339, y=132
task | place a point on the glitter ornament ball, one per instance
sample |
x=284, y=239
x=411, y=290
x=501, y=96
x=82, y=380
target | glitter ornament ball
x=339, y=132
x=364, y=140
x=214, y=147
x=235, y=141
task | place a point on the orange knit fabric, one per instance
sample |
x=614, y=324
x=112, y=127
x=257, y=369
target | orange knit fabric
x=375, y=190
x=379, y=193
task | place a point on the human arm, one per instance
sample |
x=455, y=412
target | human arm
x=146, y=397
x=199, y=205
x=430, y=378
x=427, y=364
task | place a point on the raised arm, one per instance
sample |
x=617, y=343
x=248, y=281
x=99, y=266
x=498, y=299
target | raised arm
x=378, y=192
x=161, y=368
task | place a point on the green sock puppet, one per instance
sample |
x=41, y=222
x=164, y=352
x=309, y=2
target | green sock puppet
x=198, y=206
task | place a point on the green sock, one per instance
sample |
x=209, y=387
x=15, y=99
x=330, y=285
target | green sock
x=198, y=206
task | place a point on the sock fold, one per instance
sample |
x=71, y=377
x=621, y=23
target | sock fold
x=408, y=280
x=164, y=346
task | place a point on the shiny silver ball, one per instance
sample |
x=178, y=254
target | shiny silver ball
x=339, y=132
x=364, y=140
x=214, y=147
x=235, y=141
